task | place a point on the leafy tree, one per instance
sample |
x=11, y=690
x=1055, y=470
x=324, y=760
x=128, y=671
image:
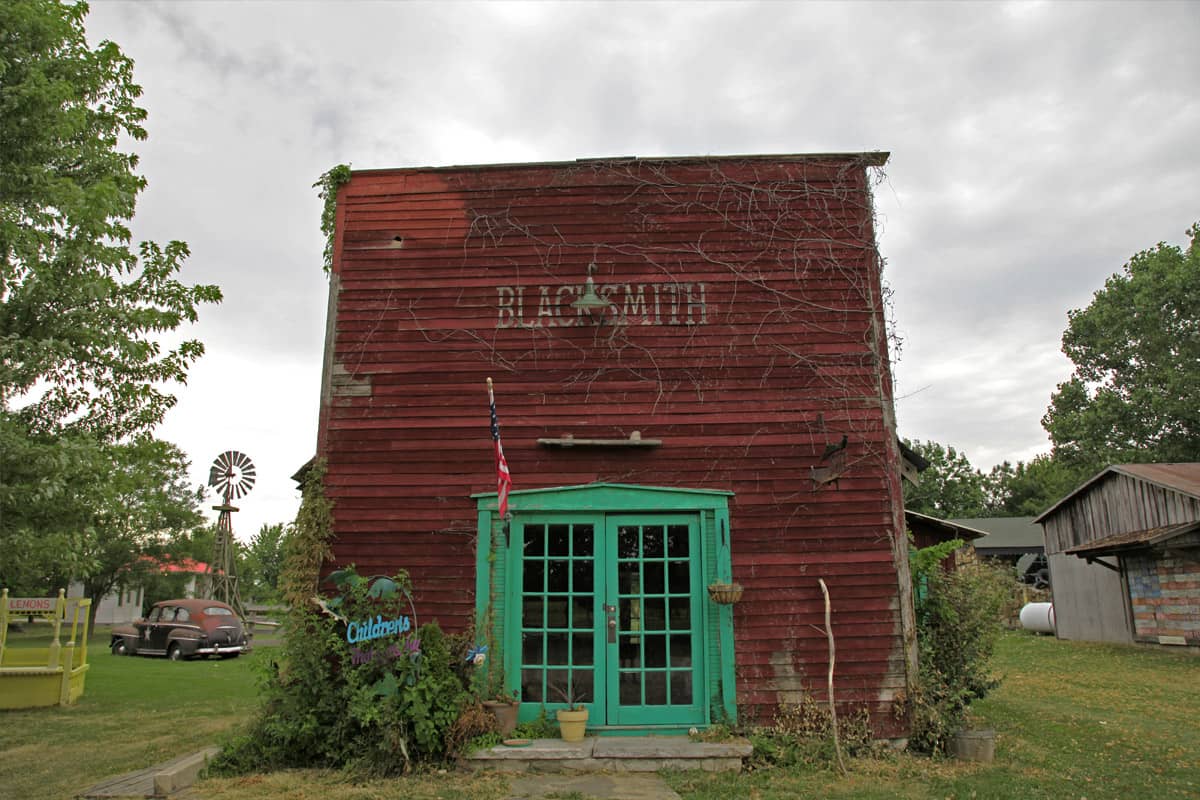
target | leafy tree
x=1136, y=350
x=46, y=487
x=79, y=310
x=262, y=561
x=949, y=488
x=138, y=506
x=1029, y=488
x=81, y=366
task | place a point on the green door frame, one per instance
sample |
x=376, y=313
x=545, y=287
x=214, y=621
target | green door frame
x=497, y=558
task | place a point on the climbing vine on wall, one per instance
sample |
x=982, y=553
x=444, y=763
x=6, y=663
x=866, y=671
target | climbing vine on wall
x=307, y=548
x=329, y=183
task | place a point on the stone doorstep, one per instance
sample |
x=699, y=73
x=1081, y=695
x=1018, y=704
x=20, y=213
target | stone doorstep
x=613, y=754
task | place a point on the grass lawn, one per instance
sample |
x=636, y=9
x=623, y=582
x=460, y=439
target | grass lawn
x=1073, y=721
x=135, y=712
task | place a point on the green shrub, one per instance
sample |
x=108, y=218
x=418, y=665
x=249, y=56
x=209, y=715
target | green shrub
x=958, y=622
x=375, y=706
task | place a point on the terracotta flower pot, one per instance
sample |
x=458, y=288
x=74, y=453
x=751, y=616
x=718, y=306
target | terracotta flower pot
x=572, y=723
x=505, y=714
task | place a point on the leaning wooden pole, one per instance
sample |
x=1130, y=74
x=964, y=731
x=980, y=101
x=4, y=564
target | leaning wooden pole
x=833, y=721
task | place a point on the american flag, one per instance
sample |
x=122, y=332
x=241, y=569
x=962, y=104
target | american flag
x=503, y=478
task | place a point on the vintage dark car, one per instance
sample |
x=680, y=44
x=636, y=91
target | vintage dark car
x=181, y=629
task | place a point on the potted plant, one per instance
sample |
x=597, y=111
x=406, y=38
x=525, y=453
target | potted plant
x=504, y=708
x=487, y=685
x=572, y=720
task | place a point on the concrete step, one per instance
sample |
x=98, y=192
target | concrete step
x=613, y=754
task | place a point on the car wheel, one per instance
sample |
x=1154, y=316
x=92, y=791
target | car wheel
x=174, y=653
x=119, y=648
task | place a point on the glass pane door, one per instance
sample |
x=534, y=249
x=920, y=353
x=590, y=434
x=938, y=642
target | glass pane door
x=609, y=611
x=558, y=612
x=655, y=665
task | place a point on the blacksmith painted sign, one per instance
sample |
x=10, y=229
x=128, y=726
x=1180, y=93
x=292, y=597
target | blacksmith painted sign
x=548, y=306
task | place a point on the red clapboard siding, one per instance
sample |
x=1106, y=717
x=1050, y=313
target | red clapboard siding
x=748, y=337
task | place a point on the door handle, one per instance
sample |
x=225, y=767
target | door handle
x=611, y=612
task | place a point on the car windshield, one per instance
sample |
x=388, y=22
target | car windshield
x=217, y=611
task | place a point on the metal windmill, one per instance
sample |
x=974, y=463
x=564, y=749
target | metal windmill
x=232, y=474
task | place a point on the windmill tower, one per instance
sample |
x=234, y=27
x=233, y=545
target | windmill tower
x=232, y=475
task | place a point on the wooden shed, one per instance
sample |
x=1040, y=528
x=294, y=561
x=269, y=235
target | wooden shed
x=1124, y=555
x=693, y=387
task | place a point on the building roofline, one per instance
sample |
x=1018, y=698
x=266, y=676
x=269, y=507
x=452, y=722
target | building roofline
x=963, y=531
x=874, y=158
x=1129, y=471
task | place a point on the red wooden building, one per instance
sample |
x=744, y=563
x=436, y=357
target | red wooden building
x=693, y=387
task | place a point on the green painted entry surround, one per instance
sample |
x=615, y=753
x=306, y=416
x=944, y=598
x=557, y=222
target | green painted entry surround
x=602, y=589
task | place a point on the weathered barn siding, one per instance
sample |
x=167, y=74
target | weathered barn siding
x=749, y=338
x=1093, y=602
x=1115, y=504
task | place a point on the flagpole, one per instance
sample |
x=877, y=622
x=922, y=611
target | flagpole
x=503, y=477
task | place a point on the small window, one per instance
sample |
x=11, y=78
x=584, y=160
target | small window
x=217, y=611
x=154, y=614
x=182, y=615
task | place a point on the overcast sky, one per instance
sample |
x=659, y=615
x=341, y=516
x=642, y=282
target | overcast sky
x=1035, y=148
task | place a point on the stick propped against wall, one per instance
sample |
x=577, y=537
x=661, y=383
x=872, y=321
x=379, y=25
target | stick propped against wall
x=833, y=721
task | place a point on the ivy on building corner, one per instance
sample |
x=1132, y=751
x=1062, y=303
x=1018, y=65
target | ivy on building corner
x=329, y=183
x=308, y=546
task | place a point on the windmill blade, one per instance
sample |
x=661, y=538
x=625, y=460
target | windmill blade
x=233, y=474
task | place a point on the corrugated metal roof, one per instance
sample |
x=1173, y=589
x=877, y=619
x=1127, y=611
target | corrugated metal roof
x=1133, y=539
x=1005, y=532
x=1181, y=477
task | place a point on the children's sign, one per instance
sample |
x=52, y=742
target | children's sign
x=371, y=629
x=367, y=630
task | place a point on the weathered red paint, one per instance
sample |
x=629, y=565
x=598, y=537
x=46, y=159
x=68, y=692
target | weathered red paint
x=786, y=356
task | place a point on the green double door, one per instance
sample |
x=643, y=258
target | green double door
x=609, y=611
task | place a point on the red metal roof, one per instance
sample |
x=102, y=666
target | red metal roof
x=183, y=565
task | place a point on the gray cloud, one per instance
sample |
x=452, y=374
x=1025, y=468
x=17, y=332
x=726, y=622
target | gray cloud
x=1036, y=147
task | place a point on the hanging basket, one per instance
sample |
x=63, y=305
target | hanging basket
x=725, y=594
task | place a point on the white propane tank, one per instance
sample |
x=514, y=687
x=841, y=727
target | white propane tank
x=1038, y=617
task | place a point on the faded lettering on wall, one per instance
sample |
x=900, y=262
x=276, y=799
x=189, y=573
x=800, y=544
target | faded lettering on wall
x=630, y=303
